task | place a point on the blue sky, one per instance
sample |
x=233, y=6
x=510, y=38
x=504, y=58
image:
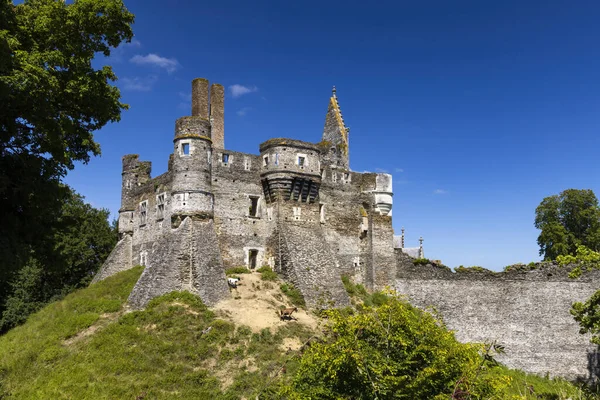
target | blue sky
x=479, y=109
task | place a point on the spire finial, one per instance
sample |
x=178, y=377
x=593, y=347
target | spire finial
x=421, y=241
x=402, y=239
x=333, y=91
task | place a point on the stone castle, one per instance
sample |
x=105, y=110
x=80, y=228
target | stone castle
x=298, y=208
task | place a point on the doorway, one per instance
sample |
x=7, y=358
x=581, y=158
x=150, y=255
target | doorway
x=252, y=257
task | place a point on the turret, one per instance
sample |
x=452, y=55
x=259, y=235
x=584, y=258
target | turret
x=192, y=154
x=290, y=170
x=135, y=173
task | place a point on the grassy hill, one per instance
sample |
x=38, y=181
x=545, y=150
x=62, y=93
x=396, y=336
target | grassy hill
x=87, y=347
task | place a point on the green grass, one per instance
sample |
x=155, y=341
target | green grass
x=267, y=274
x=532, y=387
x=167, y=351
x=237, y=270
x=161, y=352
x=293, y=294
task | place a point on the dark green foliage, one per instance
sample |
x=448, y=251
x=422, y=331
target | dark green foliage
x=358, y=291
x=73, y=251
x=421, y=261
x=267, y=274
x=293, y=294
x=51, y=101
x=568, y=220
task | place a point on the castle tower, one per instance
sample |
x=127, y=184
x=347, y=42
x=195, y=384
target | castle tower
x=135, y=173
x=191, y=164
x=335, y=135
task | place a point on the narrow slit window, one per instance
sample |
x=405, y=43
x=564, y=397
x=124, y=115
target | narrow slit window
x=276, y=158
x=225, y=158
x=322, y=213
x=185, y=149
x=160, y=206
x=266, y=161
x=143, y=212
x=253, y=207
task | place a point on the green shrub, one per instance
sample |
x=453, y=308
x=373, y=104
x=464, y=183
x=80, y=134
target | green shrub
x=421, y=261
x=267, y=274
x=293, y=294
x=475, y=268
x=237, y=270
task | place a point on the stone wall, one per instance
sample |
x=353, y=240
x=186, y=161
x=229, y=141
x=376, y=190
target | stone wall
x=526, y=311
x=304, y=258
x=118, y=260
x=184, y=258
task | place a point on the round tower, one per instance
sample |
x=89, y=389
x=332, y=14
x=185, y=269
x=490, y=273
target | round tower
x=191, y=163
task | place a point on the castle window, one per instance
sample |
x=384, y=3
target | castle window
x=301, y=160
x=276, y=158
x=253, y=207
x=185, y=149
x=143, y=212
x=297, y=213
x=265, y=161
x=143, y=258
x=252, y=258
x=246, y=163
x=225, y=158
x=160, y=206
x=270, y=213
x=346, y=177
x=334, y=176
x=322, y=212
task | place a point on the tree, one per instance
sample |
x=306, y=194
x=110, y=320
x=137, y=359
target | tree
x=52, y=100
x=81, y=240
x=392, y=351
x=587, y=314
x=568, y=220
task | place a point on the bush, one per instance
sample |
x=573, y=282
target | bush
x=293, y=294
x=267, y=274
x=237, y=270
x=391, y=351
x=474, y=268
x=421, y=261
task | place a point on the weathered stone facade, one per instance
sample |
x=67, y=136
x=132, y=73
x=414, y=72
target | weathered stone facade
x=526, y=310
x=295, y=207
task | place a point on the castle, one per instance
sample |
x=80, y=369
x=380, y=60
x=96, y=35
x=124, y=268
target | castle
x=298, y=208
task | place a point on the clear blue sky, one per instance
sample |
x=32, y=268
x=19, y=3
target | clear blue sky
x=479, y=109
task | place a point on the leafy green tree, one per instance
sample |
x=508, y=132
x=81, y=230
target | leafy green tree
x=587, y=313
x=52, y=100
x=393, y=351
x=80, y=241
x=568, y=220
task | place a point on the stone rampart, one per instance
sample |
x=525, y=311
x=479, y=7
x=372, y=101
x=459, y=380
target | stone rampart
x=527, y=311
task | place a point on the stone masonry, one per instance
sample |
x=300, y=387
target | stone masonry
x=298, y=208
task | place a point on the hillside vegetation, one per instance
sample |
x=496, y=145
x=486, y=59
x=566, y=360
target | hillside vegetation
x=87, y=347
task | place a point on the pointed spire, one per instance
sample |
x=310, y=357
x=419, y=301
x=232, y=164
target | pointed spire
x=335, y=132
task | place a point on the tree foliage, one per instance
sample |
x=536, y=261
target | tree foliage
x=392, y=351
x=587, y=313
x=568, y=220
x=70, y=255
x=52, y=100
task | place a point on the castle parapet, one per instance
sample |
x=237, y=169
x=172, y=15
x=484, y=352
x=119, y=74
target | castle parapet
x=290, y=170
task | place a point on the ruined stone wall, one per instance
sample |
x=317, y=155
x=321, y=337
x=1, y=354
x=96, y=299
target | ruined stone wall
x=305, y=259
x=526, y=311
x=233, y=185
x=183, y=258
x=361, y=239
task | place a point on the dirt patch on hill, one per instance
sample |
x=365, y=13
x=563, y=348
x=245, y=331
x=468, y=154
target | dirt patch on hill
x=256, y=304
